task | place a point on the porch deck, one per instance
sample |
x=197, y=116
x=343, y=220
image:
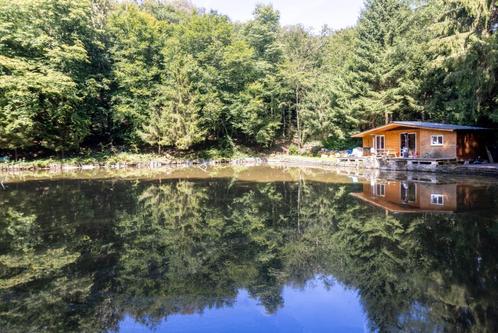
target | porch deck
x=442, y=165
x=424, y=161
x=392, y=158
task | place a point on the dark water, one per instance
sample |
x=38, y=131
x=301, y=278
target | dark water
x=249, y=250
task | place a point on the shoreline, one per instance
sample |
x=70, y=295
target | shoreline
x=146, y=162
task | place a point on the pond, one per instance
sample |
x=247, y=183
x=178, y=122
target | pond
x=248, y=249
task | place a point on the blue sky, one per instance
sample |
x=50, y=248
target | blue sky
x=336, y=14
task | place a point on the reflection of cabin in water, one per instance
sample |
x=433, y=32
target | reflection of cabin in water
x=414, y=197
x=424, y=140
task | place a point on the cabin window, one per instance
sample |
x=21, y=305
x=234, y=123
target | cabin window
x=437, y=140
x=379, y=142
x=437, y=199
x=379, y=190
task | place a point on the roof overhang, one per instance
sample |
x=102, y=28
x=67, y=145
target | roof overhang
x=394, y=208
x=392, y=126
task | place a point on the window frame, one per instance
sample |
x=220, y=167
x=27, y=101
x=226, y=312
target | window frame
x=437, y=136
x=437, y=199
x=375, y=141
x=379, y=190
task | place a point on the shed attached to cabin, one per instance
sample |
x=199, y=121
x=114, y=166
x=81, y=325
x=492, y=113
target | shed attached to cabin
x=428, y=140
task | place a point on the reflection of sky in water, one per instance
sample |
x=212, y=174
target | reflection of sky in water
x=312, y=309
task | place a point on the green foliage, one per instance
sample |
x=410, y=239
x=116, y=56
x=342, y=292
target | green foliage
x=256, y=110
x=176, y=119
x=375, y=87
x=293, y=150
x=412, y=60
x=164, y=74
x=136, y=39
x=462, y=79
x=52, y=65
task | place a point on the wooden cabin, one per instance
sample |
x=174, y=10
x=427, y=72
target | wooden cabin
x=413, y=139
x=414, y=197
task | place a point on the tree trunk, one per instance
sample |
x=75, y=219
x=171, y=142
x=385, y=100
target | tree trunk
x=283, y=120
x=493, y=20
x=298, y=120
x=299, y=204
x=62, y=158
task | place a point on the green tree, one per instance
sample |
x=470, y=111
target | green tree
x=374, y=85
x=137, y=39
x=303, y=57
x=461, y=80
x=255, y=112
x=206, y=64
x=178, y=120
x=52, y=65
x=215, y=56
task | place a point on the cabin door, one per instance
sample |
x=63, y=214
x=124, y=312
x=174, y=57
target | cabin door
x=409, y=140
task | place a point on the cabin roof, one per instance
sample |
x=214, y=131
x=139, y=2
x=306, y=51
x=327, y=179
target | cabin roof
x=420, y=124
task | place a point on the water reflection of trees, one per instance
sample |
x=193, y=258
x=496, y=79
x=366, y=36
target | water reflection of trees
x=79, y=255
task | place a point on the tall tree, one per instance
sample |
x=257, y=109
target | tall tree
x=53, y=72
x=303, y=58
x=374, y=87
x=176, y=119
x=137, y=39
x=461, y=82
x=256, y=110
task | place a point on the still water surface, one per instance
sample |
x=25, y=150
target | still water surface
x=255, y=249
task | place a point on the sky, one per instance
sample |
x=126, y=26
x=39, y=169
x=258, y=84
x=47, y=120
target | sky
x=336, y=14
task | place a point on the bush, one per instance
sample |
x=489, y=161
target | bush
x=293, y=150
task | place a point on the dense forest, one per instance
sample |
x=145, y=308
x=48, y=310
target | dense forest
x=156, y=74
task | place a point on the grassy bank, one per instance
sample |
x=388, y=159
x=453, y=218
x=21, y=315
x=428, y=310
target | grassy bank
x=127, y=159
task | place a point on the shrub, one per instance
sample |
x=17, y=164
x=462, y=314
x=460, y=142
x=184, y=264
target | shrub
x=293, y=150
